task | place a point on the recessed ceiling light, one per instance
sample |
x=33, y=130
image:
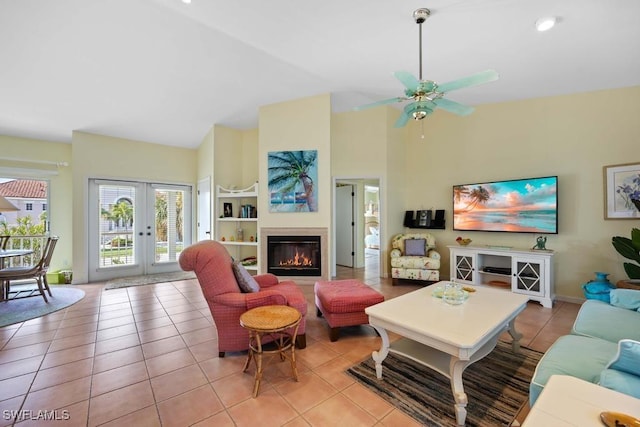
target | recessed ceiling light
x=186, y=1
x=546, y=23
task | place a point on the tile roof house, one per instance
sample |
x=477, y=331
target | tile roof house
x=28, y=195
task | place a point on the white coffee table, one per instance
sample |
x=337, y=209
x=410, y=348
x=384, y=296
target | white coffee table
x=443, y=337
x=568, y=401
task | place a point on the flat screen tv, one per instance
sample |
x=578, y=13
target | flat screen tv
x=519, y=205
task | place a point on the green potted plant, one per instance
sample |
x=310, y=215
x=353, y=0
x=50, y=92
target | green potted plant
x=630, y=249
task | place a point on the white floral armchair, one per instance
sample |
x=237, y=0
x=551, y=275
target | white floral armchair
x=414, y=257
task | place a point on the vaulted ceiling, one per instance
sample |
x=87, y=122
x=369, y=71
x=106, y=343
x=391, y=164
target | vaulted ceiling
x=163, y=71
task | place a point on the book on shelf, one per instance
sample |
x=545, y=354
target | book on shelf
x=248, y=211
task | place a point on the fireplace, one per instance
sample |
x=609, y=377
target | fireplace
x=319, y=268
x=294, y=255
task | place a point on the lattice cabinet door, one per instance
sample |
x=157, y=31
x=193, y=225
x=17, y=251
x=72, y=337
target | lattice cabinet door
x=464, y=265
x=528, y=276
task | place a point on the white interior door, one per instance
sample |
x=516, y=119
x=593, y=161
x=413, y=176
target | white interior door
x=204, y=209
x=345, y=195
x=136, y=228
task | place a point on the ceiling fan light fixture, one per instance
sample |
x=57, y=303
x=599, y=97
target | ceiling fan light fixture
x=546, y=23
x=419, y=115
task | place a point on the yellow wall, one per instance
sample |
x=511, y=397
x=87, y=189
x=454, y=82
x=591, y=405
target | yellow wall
x=97, y=156
x=59, y=190
x=205, y=157
x=365, y=145
x=250, y=171
x=228, y=157
x=303, y=124
x=571, y=136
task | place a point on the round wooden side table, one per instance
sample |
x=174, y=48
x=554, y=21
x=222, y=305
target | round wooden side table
x=275, y=321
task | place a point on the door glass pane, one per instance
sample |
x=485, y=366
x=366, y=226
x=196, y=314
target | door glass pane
x=116, y=225
x=169, y=223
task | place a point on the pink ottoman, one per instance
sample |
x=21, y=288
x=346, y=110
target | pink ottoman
x=342, y=303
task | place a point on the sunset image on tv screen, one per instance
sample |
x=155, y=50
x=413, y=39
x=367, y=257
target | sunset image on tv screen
x=524, y=205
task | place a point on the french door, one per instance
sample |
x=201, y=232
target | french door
x=136, y=228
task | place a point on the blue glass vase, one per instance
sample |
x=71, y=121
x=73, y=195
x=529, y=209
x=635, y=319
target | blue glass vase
x=598, y=288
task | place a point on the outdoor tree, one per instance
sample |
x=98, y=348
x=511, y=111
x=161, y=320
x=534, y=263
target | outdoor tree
x=162, y=216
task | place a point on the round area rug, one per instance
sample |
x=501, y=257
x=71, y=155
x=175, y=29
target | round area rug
x=20, y=310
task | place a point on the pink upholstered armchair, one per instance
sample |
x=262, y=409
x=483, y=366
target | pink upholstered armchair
x=213, y=266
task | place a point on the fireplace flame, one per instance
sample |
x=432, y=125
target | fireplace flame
x=299, y=260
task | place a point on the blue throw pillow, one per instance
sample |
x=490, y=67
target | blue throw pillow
x=415, y=247
x=625, y=298
x=620, y=381
x=627, y=359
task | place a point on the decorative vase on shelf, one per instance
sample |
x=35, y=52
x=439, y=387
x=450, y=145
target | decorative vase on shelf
x=599, y=288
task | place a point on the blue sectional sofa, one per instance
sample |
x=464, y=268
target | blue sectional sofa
x=603, y=347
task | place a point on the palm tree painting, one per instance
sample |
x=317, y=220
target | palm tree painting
x=292, y=181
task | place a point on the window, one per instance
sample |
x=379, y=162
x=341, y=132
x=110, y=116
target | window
x=29, y=195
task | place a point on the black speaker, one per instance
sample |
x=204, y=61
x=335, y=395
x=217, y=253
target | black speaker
x=439, y=219
x=409, y=218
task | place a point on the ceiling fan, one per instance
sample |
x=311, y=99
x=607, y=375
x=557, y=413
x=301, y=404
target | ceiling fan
x=427, y=95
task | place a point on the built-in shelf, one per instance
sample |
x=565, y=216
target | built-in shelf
x=228, y=223
x=232, y=219
x=237, y=243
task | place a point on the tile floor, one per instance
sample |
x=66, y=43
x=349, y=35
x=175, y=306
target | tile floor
x=147, y=356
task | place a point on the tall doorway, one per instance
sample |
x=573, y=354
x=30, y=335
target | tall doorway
x=136, y=228
x=366, y=232
x=345, y=225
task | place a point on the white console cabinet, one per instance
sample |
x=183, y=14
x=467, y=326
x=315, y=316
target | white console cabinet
x=527, y=272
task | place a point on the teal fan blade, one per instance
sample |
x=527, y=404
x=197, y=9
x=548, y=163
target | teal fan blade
x=476, y=79
x=409, y=81
x=402, y=120
x=453, y=107
x=377, y=103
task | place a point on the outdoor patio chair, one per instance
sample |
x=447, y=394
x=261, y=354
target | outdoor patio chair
x=4, y=241
x=37, y=272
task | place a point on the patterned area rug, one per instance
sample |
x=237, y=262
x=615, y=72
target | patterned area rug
x=125, y=282
x=20, y=310
x=496, y=386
